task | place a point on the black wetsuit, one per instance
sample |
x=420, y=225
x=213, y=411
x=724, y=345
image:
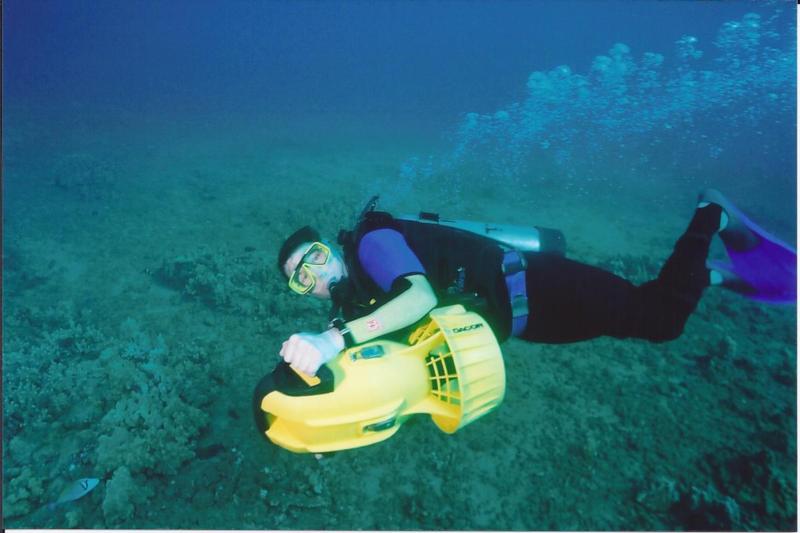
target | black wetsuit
x=568, y=301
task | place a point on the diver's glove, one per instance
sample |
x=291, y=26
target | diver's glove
x=309, y=351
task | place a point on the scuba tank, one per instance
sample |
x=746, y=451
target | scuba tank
x=522, y=238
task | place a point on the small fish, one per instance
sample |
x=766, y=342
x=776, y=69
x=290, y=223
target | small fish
x=75, y=490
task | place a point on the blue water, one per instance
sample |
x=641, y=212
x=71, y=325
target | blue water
x=155, y=153
x=433, y=59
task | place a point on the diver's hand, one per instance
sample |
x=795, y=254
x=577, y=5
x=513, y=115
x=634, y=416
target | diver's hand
x=308, y=351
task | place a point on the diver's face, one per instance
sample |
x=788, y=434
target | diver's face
x=321, y=275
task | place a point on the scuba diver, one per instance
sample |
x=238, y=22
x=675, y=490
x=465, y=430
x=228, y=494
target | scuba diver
x=392, y=271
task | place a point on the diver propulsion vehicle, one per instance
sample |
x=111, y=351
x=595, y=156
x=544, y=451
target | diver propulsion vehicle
x=451, y=368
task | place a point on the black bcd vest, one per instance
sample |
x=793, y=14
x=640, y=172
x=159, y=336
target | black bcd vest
x=462, y=267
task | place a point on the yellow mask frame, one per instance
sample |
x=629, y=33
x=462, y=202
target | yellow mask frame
x=303, y=280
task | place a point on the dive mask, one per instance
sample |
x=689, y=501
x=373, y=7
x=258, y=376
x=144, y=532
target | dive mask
x=303, y=279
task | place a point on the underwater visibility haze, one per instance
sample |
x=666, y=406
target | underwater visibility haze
x=156, y=154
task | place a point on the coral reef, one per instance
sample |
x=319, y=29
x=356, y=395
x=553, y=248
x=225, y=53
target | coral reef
x=23, y=494
x=132, y=406
x=123, y=495
x=218, y=279
x=153, y=424
x=237, y=284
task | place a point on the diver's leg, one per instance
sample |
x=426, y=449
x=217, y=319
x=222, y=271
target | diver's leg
x=662, y=306
x=571, y=301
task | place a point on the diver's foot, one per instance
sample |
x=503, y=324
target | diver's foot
x=720, y=276
x=707, y=220
x=733, y=227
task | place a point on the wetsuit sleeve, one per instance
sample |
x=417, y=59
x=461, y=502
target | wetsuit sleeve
x=415, y=298
x=386, y=256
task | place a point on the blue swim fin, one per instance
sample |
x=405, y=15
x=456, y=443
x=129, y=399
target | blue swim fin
x=761, y=266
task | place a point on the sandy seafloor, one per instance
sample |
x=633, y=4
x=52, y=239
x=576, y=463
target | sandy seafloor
x=141, y=306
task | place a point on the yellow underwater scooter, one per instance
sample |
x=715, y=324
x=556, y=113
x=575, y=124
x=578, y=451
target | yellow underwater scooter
x=451, y=368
